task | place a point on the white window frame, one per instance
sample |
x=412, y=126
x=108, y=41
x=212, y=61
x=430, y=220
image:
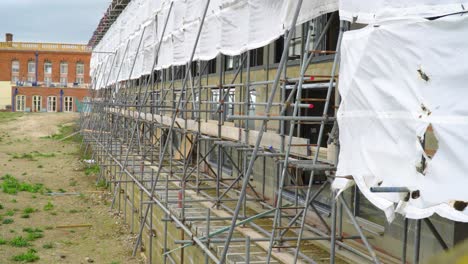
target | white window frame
x=64, y=68
x=80, y=68
x=47, y=68
x=79, y=80
x=63, y=81
x=15, y=66
x=31, y=67
x=20, y=103
x=68, y=104
x=36, y=103
x=51, y=103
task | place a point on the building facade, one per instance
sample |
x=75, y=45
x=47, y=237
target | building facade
x=33, y=74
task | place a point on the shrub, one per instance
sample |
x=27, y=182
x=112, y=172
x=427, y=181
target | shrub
x=49, y=206
x=29, y=256
x=20, y=242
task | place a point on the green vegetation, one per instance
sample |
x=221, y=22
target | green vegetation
x=26, y=156
x=32, y=156
x=29, y=256
x=92, y=170
x=2, y=241
x=48, y=246
x=10, y=213
x=102, y=184
x=20, y=241
x=9, y=116
x=29, y=210
x=25, y=216
x=11, y=185
x=65, y=131
x=73, y=211
x=49, y=206
x=1, y=206
x=7, y=221
x=40, y=166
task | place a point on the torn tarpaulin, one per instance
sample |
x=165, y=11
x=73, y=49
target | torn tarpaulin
x=398, y=80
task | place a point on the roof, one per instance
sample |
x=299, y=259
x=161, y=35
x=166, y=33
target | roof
x=32, y=46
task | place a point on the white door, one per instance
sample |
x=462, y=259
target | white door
x=37, y=103
x=20, y=103
x=52, y=104
x=68, y=104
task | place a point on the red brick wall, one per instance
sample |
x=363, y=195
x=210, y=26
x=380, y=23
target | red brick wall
x=29, y=92
x=7, y=56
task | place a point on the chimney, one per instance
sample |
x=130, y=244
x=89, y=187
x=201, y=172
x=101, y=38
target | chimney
x=9, y=37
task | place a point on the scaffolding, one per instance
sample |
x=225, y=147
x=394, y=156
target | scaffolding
x=162, y=142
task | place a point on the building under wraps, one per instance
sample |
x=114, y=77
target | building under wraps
x=259, y=131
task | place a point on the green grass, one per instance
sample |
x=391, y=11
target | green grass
x=10, y=213
x=25, y=216
x=29, y=210
x=11, y=185
x=65, y=131
x=49, y=206
x=20, y=241
x=48, y=246
x=9, y=116
x=29, y=256
x=92, y=170
x=3, y=241
x=102, y=184
x=32, y=156
x=7, y=221
x=26, y=156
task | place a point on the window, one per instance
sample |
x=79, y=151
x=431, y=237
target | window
x=228, y=108
x=31, y=79
x=63, y=68
x=52, y=104
x=15, y=66
x=68, y=104
x=14, y=79
x=232, y=62
x=79, y=69
x=20, y=103
x=37, y=103
x=31, y=67
x=48, y=80
x=79, y=80
x=63, y=81
x=47, y=68
x=211, y=68
x=256, y=57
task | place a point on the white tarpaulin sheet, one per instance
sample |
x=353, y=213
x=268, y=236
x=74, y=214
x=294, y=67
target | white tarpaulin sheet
x=369, y=11
x=396, y=80
x=231, y=27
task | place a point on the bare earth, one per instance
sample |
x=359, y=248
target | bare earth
x=105, y=241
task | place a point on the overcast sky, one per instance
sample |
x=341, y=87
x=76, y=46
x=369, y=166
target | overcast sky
x=63, y=21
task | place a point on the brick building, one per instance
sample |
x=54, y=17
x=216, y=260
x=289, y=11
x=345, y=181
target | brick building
x=40, y=77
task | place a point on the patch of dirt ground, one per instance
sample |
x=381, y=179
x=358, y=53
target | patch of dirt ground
x=58, y=213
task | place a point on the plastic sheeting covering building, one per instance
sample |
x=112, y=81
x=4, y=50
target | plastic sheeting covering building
x=398, y=76
x=369, y=11
x=231, y=27
x=397, y=79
